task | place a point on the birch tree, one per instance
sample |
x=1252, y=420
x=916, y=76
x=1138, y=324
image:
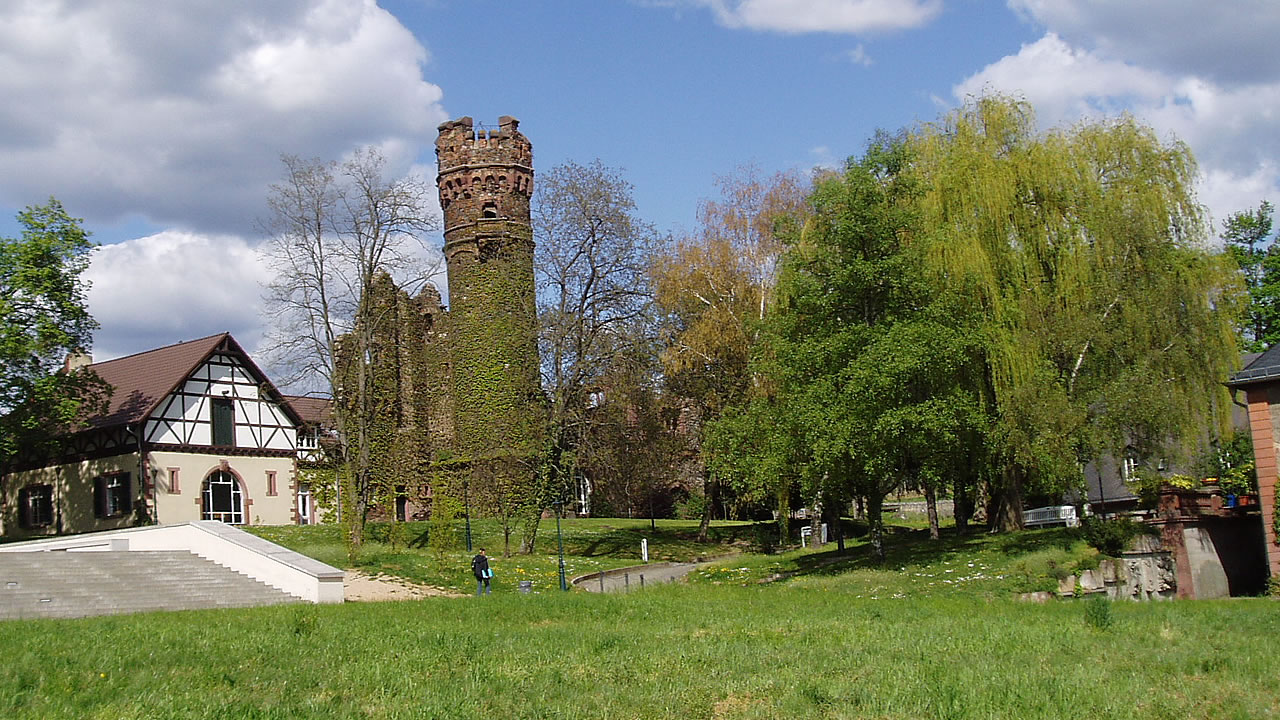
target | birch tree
x=714, y=288
x=333, y=229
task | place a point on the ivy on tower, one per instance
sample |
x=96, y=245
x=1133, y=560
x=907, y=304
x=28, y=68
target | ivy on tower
x=485, y=182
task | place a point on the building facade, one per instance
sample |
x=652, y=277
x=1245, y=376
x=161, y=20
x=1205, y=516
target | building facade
x=193, y=431
x=1259, y=382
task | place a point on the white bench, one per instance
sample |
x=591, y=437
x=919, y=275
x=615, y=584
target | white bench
x=1052, y=515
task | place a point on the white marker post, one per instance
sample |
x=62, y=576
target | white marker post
x=644, y=549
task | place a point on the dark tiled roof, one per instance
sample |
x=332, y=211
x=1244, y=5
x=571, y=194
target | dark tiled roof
x=312, y=410
x=1264, y=367
x=142, y=380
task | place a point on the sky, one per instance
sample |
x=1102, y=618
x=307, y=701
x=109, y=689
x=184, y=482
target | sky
x=162, y=123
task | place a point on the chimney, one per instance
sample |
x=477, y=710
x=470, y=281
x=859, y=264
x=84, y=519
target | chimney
x=76, y=360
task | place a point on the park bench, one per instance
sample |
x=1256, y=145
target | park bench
x=1053, y=515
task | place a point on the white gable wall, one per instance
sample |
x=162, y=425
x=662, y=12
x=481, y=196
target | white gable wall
x=185, y=417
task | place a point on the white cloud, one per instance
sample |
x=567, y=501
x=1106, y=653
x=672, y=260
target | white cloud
x=174, y=286
x=831, y=16
x=1065, y=83
x=1227, y=192
x=1227, y=44
x=1229, y=127
x=859, y=56
x=180, y=111
x=174, y=115
x=824, y=158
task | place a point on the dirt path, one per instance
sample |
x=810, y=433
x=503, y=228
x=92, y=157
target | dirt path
x=635, y=578
x=360, y=587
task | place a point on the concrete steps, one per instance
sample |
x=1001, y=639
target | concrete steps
x=80, y=584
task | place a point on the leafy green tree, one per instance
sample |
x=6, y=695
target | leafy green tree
x=873, y=363
x=1248, y=239
x=43, y=319
x=714, y=289
x=1107, y=320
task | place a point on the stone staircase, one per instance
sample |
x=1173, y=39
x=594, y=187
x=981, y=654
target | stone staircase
x=79, y=584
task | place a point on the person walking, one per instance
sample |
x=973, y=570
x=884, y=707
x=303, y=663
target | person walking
x=480, y=568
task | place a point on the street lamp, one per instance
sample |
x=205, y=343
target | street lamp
x=559, y=506
x=466, y=509
x=653, y=526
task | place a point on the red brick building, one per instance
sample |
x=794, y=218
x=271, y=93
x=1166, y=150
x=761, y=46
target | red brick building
x=1260, y=383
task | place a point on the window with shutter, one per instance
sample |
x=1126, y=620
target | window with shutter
x=112, y=495
x=100, y=497
x=35, y=506
x=224, y=430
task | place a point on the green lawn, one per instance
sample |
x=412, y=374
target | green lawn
x=826, y=636
x=590, y=544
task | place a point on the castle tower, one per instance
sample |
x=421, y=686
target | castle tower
x=485, y=182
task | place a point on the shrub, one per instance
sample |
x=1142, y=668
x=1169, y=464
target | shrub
x=441, y=536
x=692, y=508
x=1097, y=612
x=1112, y=536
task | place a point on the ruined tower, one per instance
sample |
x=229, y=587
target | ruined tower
x=485, y=182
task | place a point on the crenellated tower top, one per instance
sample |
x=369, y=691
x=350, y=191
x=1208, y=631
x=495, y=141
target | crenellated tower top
x=484, y=174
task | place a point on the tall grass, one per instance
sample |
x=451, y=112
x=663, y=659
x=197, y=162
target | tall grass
x=672, y=651
x=933, y=633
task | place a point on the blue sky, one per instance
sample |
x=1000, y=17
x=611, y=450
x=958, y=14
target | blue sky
x=162, y=123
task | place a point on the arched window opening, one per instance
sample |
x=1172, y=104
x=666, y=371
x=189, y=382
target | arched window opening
x=222, y=499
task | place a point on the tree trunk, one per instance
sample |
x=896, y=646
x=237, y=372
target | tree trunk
x=875, y=525
x=708, y=492
x=963, y=503
x=1008, y=502
x=784, y=515
x=931, y=506
x=832, y=515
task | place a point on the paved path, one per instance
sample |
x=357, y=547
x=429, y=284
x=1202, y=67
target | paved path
x=629, y=579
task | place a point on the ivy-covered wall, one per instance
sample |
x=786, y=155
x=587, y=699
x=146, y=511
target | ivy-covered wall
x=456, y=396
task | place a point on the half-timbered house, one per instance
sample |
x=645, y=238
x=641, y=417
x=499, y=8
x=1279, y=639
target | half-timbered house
x=194, y=431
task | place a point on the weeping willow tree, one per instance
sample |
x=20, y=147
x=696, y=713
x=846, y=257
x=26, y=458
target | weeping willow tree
x=1106, y=317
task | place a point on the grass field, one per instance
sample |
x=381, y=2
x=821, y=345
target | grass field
x=926, y=636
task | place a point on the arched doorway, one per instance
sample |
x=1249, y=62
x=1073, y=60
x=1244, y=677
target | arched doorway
x=222, y=499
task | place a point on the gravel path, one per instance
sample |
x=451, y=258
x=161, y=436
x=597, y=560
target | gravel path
x=359, y=587
x=629, y=579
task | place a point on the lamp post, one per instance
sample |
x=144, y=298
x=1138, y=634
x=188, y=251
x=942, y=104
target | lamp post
x=653, y=525
x=466, y=510
x=559, y=506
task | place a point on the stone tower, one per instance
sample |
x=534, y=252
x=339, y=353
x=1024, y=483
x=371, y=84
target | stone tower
x=485, y=182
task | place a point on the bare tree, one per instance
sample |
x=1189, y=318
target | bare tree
x=593, y=294
x=333, y=229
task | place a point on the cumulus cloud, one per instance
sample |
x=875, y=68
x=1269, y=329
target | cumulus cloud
x=1096, y=60
x=175, y=286
x=184, y=110
x=1234, y=45
x=1064, y=82
x=174, y=115
x=859, y=56
x=830, y=16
